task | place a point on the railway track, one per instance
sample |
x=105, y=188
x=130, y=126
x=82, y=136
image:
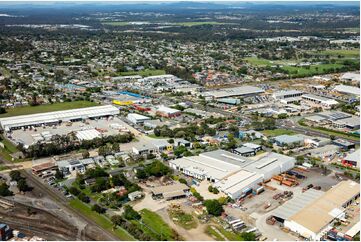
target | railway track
x=62, y=201
x=28, y=227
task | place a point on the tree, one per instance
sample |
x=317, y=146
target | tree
x=98, y=208
x=248, y=236
x=22, y=185
x=15, y=175
x=180, y=150
x=117, y=220
x=84, y=198
x=214, y=207
x=85, y=154
x=75, y=191
x=182, y=180
x=234, y=130
x=115, y=147
x=59, y=175
x=130, y=214
x=141, y=174
x=4, y=190
x=2, y=110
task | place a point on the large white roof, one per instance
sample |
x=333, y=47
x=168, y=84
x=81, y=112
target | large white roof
x=348, y=89
x=51, y=117
x=235, y=91
x=165, y=109
x=238, y=181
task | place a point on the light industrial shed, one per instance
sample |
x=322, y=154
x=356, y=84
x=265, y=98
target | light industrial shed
x=235, y=92
x=137, y=118
x=233, y=174
x=20, y=121
x=314, y=219
x=271, y=164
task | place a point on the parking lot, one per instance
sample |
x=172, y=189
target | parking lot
x=111, y=126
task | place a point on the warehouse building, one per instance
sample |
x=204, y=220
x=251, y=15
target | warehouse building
x=233, y=174
x=344, y=89
x=312, y=214
x=168, y=112
x=170, y=192
x=51, y=118
x=352, y=159
x=240, y=183
x=351, y=77
x=242, y=91
x=318, y=100
x=285, y=94
x=137, y=118
x=287, y=140
x=350, y=123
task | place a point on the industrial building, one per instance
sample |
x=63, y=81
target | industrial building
x=283, y=140
x=324, y=102
x=312, y=213
x=137, y=118
x=344, y=89
x=49, y=118
x=351, y=77
x=242, y=91
x=168, y=112
x=233, y=174
x=169, y=192
x=352, y=159
x=285, y=94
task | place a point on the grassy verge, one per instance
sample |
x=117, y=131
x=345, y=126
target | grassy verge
x=101, y=220
x=231, y=236
x=2, y=167
x=8, y=149
x=330, y=132
x=153, y=136
x=156, y=224
x=211, y=232
x=183, y=219
x=277, y=132
x=47, y=108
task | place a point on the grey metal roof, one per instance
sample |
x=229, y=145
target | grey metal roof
x=288, y=139
x=227, y=156
x=297, y=203
x=244, y=149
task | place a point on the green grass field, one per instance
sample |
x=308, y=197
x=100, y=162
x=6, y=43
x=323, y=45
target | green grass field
x=345, y=53
x=183, y=219
x=101, y=220
x=8, y=149
x=310, y=70
x=277, y=132
x=116, y=23
x=157, y=224
x=231, y=236
x=146, y=72
x=46, y=108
